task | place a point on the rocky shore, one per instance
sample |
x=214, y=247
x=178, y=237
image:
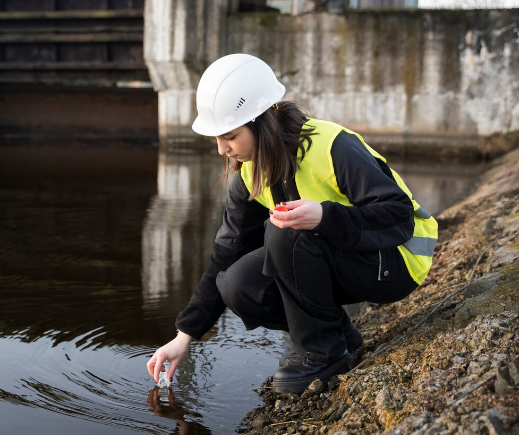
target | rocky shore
x=458, y=372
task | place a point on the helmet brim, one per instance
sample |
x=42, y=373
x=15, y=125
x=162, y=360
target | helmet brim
x=202, y=128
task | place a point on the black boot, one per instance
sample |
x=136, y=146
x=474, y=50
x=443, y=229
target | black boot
x=353, y=339
x=298, y=371
x=351, y=334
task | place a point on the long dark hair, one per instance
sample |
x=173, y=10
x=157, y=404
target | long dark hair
x=279, y=135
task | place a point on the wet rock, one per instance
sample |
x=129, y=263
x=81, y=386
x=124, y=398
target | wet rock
x=260, y=421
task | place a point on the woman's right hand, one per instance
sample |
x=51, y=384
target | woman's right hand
x=174, y=352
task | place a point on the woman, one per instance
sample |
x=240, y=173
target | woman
x=347, y=230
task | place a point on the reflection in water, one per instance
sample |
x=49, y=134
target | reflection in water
x=167, y=407
x=182, y=221
x=93, y=272
x=436, y=186
x=217, y=376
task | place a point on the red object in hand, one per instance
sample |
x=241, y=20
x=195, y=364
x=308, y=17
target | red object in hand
x=281, y=208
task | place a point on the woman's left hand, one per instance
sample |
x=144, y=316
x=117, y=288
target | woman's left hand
x=302, y=214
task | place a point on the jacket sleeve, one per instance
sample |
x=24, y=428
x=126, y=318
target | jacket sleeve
x=382, y=215
x=241, y=232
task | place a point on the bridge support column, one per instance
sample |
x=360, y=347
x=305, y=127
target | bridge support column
x=181, y=38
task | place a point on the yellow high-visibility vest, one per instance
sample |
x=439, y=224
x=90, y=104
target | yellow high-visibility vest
x=315, y=180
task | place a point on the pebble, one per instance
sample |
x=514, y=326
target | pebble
x=500, y=356
x=281, y=405
x=260, y=421
x=457, y=360
x=334, y=411
x=474, y=368
x=314, y=388
x=447, y=368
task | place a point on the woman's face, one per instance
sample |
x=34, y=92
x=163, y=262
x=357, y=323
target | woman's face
x=237, y=144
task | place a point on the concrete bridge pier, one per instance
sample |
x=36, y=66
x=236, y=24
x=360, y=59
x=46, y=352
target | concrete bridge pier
x=181, y=38
x=420, y=83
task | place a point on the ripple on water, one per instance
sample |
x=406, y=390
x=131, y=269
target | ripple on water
x=101, y=385
x=109, y=385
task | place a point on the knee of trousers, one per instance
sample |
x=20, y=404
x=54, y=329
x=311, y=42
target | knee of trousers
x=279, y=242
x=232, y=291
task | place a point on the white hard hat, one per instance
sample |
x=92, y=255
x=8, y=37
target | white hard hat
x=234, y=90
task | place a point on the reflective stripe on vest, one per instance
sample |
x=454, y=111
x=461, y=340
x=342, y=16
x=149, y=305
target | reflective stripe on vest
x=421, y=246
x=316, y=181
x=422, y=213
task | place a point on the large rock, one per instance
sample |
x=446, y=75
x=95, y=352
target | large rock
x=493, y=293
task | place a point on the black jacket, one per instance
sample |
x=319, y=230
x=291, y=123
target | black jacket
x=381, y=218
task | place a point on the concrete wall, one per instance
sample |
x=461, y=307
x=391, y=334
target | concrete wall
x=394, y=72
x=396, y=76
x=181, y=38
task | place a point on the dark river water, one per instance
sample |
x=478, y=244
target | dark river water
x=100, y=249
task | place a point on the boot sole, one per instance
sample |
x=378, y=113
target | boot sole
x=299, y=385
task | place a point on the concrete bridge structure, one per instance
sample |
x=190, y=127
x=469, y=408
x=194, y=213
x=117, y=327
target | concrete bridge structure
x=409, y=80
x=74, y=70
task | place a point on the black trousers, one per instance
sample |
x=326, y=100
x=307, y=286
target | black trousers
x=299, y=281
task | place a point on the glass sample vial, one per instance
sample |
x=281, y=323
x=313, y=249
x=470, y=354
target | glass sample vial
x=163, y=380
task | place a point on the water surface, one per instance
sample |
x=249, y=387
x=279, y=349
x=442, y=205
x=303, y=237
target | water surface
x=101, y=248
x=94, y=268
